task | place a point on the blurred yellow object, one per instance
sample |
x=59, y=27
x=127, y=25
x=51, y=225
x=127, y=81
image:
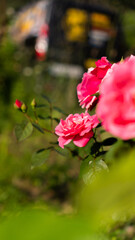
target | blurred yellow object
x=26, y=26
x=100, y=20
x=75, y=24
x=90, y=63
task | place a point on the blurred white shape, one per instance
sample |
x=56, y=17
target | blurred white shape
x=60, y=69
x=98, y=37
x=29, y=20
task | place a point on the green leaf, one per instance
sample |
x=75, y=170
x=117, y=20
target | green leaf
x=101, y=153
x=91, y=168
x=109, y=141
x=43, y=118
x=57, y=120
x=54, y=143
x=41, y=105
x=99, y=125
x=47, y=98
x=48, y=117
x=60, y=110
x=84, y=167
x=40, y=129
x=23, y=130
x=59, y=152
x=101, y=165
x=40, y=157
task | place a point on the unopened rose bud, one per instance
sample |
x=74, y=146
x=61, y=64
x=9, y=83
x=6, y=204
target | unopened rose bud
x=33, y=103
x=18, y=104
x=24, y=108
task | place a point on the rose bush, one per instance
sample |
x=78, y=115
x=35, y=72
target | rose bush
x=115, y=85
x=116, y=107
x=90, y=83
x=77, y=127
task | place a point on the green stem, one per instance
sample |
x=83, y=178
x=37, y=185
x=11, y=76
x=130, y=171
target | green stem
x=31, y=120
x=28, y=117
x=36, y=117
x=46, y=130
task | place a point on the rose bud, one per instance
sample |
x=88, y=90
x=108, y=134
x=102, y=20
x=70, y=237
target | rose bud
x=24, y=108
x=18, y=104
x=33, y=103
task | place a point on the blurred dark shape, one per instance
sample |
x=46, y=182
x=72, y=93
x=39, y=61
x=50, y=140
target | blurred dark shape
x=2, y=18
x=79, y=34
x=82, y=33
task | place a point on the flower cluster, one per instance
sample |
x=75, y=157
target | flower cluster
x=79, y=127
x=115, y=84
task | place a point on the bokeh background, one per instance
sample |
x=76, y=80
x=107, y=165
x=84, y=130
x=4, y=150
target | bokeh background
x=45, y=46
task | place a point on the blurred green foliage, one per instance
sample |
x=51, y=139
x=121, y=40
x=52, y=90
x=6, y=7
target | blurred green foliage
x=23, y=77
x=105, y=204
x=129, y=28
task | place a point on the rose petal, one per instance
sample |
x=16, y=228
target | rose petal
x=64, y=141
x=81, y=141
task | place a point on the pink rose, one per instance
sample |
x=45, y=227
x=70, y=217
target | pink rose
x=90, y=83
x=116, y=107
x=77, y=127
